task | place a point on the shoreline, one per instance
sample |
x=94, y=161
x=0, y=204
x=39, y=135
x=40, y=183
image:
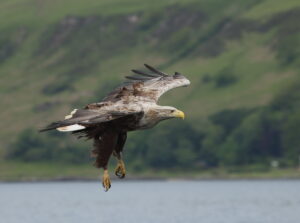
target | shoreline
x=84, y=179
x=49, y=172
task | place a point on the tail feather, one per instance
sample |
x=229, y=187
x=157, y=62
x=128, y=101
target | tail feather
x=53, y=125
x=71, y=128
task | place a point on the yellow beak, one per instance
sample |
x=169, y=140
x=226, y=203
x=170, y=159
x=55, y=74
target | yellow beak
x=178, y=114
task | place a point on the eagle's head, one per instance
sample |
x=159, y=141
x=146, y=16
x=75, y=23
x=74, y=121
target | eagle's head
x=166, y=112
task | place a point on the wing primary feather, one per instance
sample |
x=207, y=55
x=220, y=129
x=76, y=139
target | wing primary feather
x=144, y=74
x=138, y=78
x=51, y=126
x=155, y=71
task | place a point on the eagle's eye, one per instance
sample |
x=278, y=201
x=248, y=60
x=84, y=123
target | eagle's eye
x=173, y=110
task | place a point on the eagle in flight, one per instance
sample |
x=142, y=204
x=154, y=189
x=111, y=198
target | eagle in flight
x=132, y=106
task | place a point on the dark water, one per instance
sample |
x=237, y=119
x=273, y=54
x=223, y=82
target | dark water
x=151, y=202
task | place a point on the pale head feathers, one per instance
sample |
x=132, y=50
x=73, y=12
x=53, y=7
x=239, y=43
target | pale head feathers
x=165, y=112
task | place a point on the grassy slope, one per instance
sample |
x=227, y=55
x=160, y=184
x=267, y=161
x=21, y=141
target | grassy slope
x=26, y=73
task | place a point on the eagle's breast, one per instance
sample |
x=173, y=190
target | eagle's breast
x=149, y=119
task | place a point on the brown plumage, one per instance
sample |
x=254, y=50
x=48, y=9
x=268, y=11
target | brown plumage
x=129, y=107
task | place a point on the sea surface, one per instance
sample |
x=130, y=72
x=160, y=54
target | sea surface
x=263, y=201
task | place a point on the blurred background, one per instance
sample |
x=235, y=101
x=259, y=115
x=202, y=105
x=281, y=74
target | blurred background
x=242, y=110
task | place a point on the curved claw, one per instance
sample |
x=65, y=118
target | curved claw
x=106, y=181
x=120, y=170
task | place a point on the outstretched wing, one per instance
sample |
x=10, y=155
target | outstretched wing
x=150, y=86
x=80, y=119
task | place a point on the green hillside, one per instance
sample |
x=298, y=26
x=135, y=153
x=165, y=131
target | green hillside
x=57, y=55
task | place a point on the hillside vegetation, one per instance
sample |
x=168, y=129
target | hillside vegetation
x=242, y=57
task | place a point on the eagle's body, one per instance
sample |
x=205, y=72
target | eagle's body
x=132, y=106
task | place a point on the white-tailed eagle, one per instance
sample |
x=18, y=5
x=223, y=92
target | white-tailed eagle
x=130, y=107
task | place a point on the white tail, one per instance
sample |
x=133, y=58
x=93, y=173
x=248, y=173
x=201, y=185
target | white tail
x=70, y=128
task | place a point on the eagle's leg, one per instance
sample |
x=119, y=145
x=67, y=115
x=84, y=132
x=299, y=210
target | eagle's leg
x=106, y=180
x=120, y=170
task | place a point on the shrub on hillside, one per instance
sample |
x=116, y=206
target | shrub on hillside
x=225, y=78
x=32, y=146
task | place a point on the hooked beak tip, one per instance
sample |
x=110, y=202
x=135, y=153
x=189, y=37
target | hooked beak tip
x=179, y=114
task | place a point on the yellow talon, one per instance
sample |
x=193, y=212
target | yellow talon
x=120, y=169
x=106, y=181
